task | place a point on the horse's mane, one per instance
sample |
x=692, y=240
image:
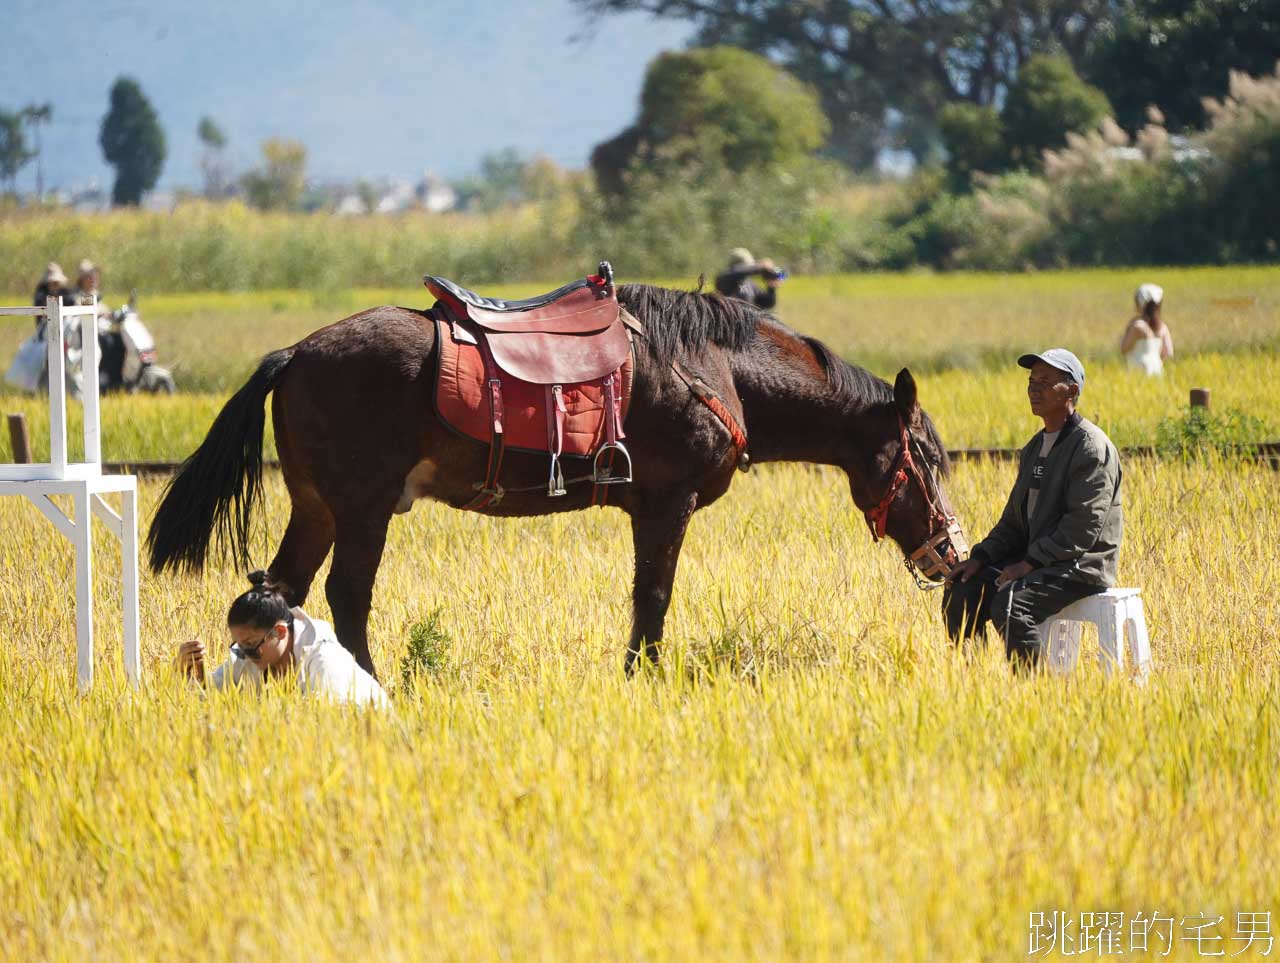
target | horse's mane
x=853, y=383
x=675, y=321
x=860, y=387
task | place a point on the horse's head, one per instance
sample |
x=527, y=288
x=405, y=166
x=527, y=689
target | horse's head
x=899, y=487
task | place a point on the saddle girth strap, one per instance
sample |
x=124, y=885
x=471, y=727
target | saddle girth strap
x=489, y=492
x=707, y=395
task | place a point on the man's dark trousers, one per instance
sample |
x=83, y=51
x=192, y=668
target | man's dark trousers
x=1016, y=609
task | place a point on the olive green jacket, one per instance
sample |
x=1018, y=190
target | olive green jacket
x=1079, y=520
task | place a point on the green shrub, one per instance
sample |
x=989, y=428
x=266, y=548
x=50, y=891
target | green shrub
x=1047, y=101
x=1003, y=226
x=1137, y=213
x=1243, y=181
x=1200, y=430
x=427, y=653
x=672, y=227
x=975, y=142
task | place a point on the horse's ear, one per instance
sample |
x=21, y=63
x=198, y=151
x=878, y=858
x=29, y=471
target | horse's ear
x=905, y=397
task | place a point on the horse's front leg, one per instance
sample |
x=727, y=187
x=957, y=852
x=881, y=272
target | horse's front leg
x=657, y=527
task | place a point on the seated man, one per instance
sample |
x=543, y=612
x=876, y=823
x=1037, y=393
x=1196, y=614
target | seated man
x=1059, y=536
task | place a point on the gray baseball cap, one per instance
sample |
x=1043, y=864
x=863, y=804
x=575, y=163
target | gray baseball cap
x=1059, y=358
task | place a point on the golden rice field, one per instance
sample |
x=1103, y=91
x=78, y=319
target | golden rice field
x=815, y=774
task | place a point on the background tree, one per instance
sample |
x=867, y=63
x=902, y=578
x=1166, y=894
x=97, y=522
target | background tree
x=1174, y=53
x=1047, y=101
x=278, y=183
x=507, y=178
x=715, y=108
x=975, y=142
x=36, y=116
x=13, y=148
x=213, y=161
x=369, y=195
x=498, y=183
x=872, y=60
x=132, y=142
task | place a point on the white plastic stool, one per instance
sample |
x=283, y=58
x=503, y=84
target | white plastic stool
x=1112, y=611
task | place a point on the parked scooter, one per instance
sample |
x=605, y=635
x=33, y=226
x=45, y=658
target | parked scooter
x=127, y=354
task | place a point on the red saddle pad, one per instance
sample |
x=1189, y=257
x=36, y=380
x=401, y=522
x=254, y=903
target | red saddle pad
x=462, y=401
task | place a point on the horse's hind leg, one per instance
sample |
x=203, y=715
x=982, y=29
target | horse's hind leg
x=306, y=542
x=657, y=527
x=357, y=552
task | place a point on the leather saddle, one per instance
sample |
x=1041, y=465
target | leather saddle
x=572, y=334
x=550, y=373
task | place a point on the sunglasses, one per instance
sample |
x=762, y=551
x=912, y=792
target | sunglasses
x=250, y=652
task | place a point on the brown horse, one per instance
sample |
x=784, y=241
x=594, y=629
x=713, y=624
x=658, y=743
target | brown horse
x=359, y=441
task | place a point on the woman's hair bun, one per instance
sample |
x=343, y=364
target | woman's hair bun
x=263, y=605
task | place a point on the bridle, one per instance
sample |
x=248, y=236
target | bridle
x=944, y=528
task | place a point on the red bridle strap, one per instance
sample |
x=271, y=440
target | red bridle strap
x=904, y=470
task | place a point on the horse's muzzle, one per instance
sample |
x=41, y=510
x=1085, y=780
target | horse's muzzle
x=933, y=561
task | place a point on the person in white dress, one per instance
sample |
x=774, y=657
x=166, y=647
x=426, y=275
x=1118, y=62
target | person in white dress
x=271, y=641
x=1147, y=344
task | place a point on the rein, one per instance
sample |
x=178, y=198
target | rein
x=706, y=394
x=944, y=528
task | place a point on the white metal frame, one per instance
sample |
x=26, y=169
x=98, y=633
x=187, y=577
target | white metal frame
x=84, y=483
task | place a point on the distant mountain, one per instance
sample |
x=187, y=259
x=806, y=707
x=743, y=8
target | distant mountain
x=384, y=87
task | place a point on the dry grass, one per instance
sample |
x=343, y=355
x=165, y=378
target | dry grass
x=815, y=774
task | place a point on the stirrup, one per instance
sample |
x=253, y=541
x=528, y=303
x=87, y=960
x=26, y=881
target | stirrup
x=606, y=474
x=555, y=483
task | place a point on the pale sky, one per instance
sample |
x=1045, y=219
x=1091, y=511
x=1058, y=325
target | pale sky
x=378, y=88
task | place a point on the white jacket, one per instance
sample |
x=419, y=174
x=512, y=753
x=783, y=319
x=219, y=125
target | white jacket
x=322, y=666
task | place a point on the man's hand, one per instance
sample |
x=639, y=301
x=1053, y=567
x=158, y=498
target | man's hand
x=191, y=659
x=965, y=570
x=1011, y=573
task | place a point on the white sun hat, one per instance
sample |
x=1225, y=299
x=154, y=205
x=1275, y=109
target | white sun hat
x=1148, y=294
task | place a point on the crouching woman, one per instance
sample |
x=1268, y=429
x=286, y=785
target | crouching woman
x=272, y=641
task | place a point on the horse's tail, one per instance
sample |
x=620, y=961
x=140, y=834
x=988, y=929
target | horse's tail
x=214, y=490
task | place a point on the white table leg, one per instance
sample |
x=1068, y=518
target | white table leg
x=84, y=587
x=129, y=580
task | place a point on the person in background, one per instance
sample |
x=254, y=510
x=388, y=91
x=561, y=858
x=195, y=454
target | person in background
x=1147, y=343
x=271, y=641
x=1058, y=539
x=111, y=349
x=52, y=283
x=88, y=279
x=736, y=281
